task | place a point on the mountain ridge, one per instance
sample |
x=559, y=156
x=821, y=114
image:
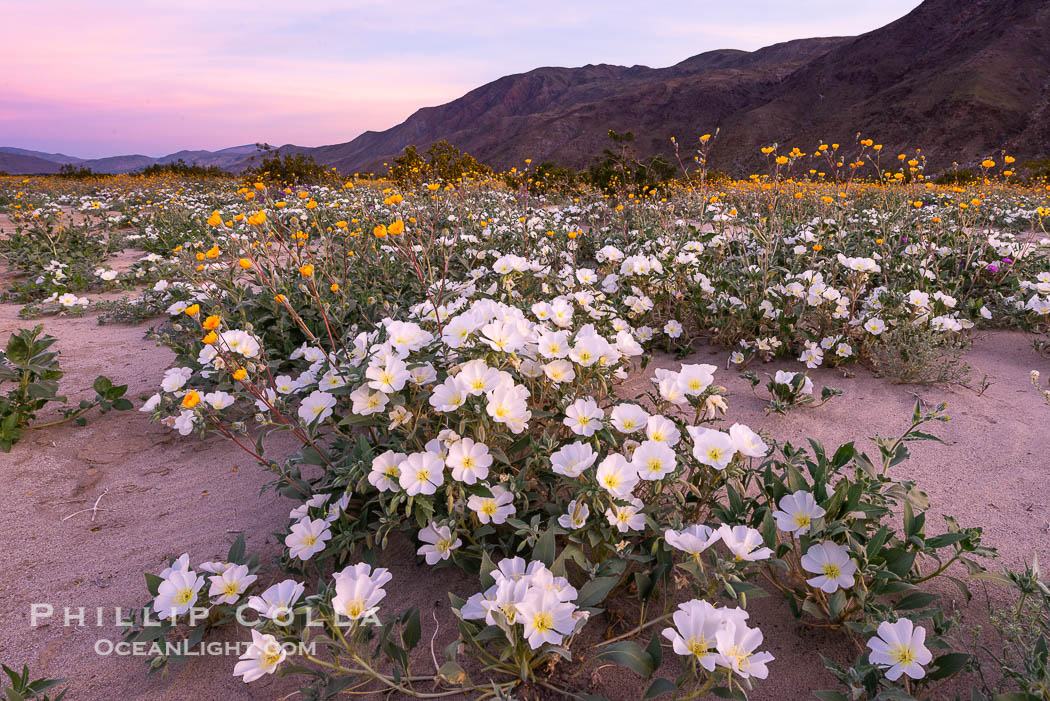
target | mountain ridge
x=960, y=79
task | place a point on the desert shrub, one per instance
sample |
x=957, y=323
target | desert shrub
x=33, y=370
x=920, y=355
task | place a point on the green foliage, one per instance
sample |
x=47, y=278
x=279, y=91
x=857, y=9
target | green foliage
x=289, y=168
x=74, y=172
x=22, y=688
x=181, y=168
x=441, y=162
x=619, y=169
x=33, y=369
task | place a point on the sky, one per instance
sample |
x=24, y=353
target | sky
x=110, y=77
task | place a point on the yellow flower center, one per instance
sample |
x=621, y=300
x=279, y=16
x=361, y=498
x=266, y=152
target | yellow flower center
x=543, y=621
x=902, y=654
x=802, y=520
x=832, y=570
x=183, y=596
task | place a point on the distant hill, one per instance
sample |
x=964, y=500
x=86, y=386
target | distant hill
x=961, y=79
x=24, y=161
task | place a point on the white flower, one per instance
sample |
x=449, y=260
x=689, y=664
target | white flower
x=747, y=442
x=367, y=401
x=626, y=517
x=584, y=417
x=151, y=404
x=230, y=584
x=692, y=539
x=559, y=371
x=386, y=471
x=875, y=326
x=697, y=378
x=797, y=512
x=663, y=430
x=421, y=473
x=736, y=645
x=177, y=593
x=673, y=329
x=833, y=565
x=307, y=538
x=628, y=418
x=617, y=476
x=240, y=342
x=713, y=448
x=696, y=623
x=317, y=407
x=469, y=461
x=448, y=396
x=744, y=542
x=575, y=516
x=572, y=459
x=899, y=648
x=440, y=543
x=263, y=657
x=389, y=377
x=497, y=508
x=219, y=400
x=358, y=590
x=545, y=618
x=653, y=460
x=276, y=602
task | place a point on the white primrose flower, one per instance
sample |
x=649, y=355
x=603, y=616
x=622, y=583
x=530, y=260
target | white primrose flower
x=496, y=509
x=744, y=542
x=797, y=512
x=736, y=645
x=469, y=461
x=662, y=430
x=367, y=401
x=653, y=460
x=584, y=417
x=747, y=442
x=697, y=378
x=545, y=618
x=832, y=563
x=358, y=590
x=696, y=624
x=262, y=657
x=628, y=418
x=572, y=459
x=230, y=584
x=439, y=543
x=899, y=648
x=218, y=400
x=713, y=448
x=317, y=407
x=276, y=602
x=177, y=593
x=626, y=517
x=307, y=538
x=617, y=476
x=693, y=539
x=386, y=471
x=421, y=473
x=575, y=516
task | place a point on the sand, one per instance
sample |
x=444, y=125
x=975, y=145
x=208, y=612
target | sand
x=162, y=495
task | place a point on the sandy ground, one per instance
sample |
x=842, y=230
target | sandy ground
x=163, y=495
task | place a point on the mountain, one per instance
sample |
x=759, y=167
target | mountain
x=59, y=158
x=24, y=161
x=26, y=165
x=959, y=78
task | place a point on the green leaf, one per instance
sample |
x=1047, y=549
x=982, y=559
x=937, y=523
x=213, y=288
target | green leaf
x=544, y=549
x=410, y=632
x=916, y=600
x=830, y=696
x=947, y=665
x=594, y=592
x=630, y=655
x=660, y=686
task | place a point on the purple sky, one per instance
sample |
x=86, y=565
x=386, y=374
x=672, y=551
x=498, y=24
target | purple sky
x=143, y=76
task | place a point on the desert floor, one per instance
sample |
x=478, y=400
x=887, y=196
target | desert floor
x=160, y=495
